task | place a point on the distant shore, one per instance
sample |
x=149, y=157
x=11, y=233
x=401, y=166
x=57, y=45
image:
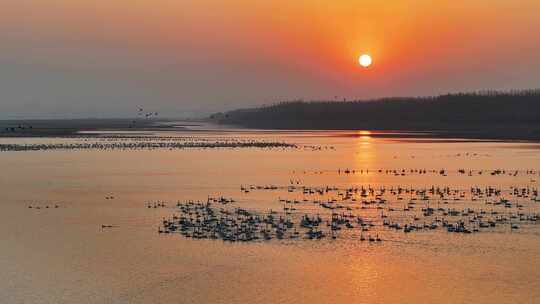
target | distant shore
x=519, y=133
x=74, y=127
x=93, y=127
x=487, y=115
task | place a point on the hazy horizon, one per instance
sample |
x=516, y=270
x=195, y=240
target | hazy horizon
x=99, y=59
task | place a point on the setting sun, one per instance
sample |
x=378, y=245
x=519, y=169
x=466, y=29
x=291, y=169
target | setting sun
x=365, y=60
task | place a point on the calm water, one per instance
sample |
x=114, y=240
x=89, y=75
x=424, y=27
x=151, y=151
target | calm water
x=62, y=255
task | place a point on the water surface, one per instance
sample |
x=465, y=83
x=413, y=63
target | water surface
x=63, y=255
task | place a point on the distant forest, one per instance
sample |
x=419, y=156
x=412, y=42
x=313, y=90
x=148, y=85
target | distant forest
x=485, y=114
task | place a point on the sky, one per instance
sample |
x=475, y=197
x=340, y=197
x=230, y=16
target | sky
x=103, y=58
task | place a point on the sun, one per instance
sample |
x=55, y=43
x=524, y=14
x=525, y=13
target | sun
x=365, y=60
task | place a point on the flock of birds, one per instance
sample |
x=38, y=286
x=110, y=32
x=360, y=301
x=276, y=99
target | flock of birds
x=366, y=213
x=107, y=144
x=416, y=171
x=38, y=206
x=19, y=127
x=142, y=113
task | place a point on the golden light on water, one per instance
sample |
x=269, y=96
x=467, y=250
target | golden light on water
x=364, y=136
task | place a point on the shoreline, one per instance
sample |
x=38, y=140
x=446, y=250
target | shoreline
x=84, y=127
x=405, y=133
x=77, y=127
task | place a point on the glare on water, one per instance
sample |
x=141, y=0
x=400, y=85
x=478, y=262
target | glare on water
x=64, y=255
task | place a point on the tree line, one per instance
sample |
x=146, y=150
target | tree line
x=487, y=112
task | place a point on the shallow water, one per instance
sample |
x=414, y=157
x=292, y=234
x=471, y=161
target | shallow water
x=63, y=255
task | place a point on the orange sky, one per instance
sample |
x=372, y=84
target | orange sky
x=210, y=55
